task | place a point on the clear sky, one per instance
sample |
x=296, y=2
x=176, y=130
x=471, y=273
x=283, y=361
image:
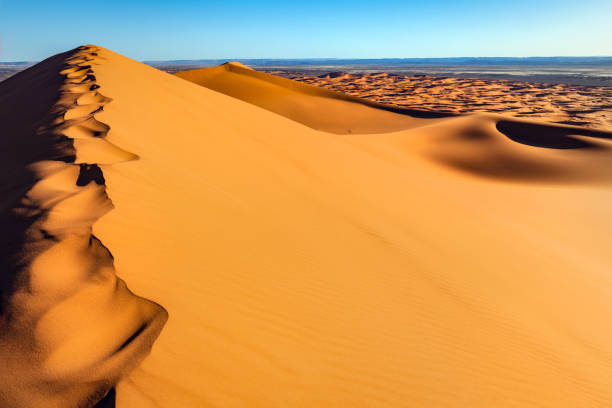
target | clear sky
x=190, y=29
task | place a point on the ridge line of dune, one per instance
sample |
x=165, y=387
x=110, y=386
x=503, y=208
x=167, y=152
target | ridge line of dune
x=68, y=197
x=315, y=90
x=81, y=116
x=318, y=91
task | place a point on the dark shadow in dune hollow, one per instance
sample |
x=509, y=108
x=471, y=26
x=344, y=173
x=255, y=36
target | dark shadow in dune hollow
x=109, y=400
x=551, y=137
x=89, y=173
x=416, y=113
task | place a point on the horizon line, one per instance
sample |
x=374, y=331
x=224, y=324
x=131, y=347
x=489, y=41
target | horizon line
x=330, y=58
x=377, y=58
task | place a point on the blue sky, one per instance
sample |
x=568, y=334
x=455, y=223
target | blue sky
x=189, y=29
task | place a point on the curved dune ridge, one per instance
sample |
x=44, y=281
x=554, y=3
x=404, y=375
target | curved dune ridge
x=316, y=107
x=455, y=261
x=70, y=327
x=475, y=143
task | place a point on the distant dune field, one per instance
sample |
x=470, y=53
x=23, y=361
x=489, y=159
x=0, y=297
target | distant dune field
x=589, y=106
x=286, y=245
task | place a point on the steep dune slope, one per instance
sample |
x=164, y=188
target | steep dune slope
x=318, y=108
x=69, y=328
x=460, y=263
x=303, y=268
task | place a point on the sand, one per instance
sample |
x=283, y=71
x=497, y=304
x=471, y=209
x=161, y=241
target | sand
x=589, y=106
x=69, y=327
x=316, y=107
x=458, y=261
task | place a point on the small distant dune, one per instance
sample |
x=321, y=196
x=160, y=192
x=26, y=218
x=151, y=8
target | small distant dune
x=227, y=238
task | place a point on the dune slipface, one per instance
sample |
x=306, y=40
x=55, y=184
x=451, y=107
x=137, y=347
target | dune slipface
x=455, y=261
x=69, y=328
x=316, y=107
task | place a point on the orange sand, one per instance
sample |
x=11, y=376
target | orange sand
x=452, y=262
x=315, y=107
x=589, y=106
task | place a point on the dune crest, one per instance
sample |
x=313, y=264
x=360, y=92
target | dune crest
x=316, y=107
x=479, y=144
x=307, y=268
x=457, y=261
x=69, y=328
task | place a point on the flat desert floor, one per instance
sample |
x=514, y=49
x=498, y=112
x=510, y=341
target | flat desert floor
x=228, y=238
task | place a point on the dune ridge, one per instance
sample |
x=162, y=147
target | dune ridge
x=292, y=99
x=455, y=262
x=309, y=268
x=472, y=143
x=70, y=327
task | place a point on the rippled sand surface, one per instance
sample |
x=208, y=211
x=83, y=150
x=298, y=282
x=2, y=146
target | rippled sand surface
x=589, y=106
x=228, y=238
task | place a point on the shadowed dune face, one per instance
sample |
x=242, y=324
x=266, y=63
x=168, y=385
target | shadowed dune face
x=20, y=123
x=67, y=323
x=109, y=401
x=551, y=137
x=519, y=151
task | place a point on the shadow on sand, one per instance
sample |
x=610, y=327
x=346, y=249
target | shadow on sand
x=108, y=401
x=25, y=140
x=548, y=136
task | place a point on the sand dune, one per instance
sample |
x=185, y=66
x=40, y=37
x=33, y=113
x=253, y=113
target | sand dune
x=453, y=262
x=467, y=143
x=312, y=106
x=70, y=328
x=565, y=104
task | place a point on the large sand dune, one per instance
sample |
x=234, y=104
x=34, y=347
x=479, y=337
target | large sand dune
x=454, y=262
x=319, y=108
